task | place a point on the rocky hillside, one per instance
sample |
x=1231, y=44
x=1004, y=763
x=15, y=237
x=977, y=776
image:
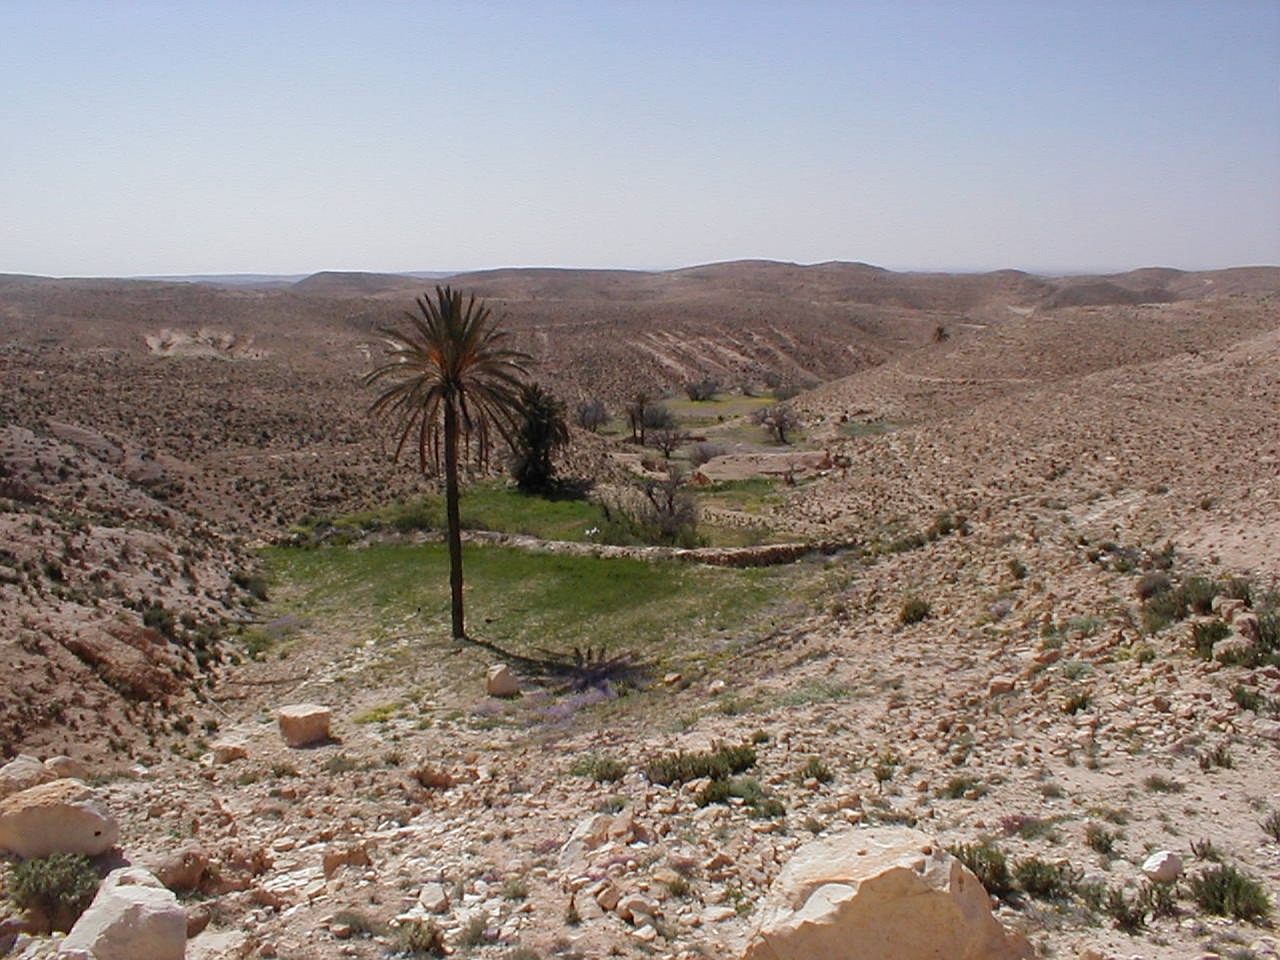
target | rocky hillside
x=1048, y=642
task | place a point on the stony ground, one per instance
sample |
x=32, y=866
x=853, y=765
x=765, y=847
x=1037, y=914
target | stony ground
x=1021, y=481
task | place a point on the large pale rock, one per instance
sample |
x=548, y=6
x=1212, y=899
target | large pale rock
x=61, y=766
x=1163, y=866
x=302, y=724
x=887, y=893
x=501, y=682
x=133, y=917
x=22, y=773
x=62, y=816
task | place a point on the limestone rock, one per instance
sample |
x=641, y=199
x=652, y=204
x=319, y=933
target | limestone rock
x=501, y=682
x=133, y=917
x=62, y=816
x=228, y=751
x=887, y=893
x=183, y=870
x=1000, y=685
x=351, y=855
x=302, y=724
x=433, y=898
x=22, y=773
x=60, y=766
x=1247, y=625
x=1163, y=866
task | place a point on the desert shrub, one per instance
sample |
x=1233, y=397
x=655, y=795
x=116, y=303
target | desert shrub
x=1226, y=892
x=1205, y=849
x=987, y=862
x=1017, y=569
x=715, y=764
x=1269, y=631
x=704, y=452
x=914, y=610
x=61, y=885
x=1044, y=880
x=474, y=933
x=421, y=938
x=158, y=617
x=1199, y=593
x=1157, y=783
x=515, y=888
x=759, y=802
x=1101, y=840
x=1246, y=698
x=1128, y=915
x=958, y=787
x=815, y=769
x=1162, y=609
x=704, y=389
x=1158, y=899
x=1152, y=584
x=1239, y=588
x=599, y=768
x=1219, y=756
x=1204, y=635
x=1080, y=700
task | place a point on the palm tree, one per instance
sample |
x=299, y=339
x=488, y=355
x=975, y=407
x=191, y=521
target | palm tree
x=449, y=375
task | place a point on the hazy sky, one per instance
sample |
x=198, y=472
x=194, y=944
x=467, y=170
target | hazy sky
x=288, y=137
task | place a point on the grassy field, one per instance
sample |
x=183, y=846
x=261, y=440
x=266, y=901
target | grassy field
x=502, y=508
x=523, y=600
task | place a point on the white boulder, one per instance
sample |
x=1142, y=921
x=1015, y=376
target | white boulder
x=887, y=893
x=1163, y=866
x=302, y=724
x=62, y=816
x=501, y=682
x=22, y=773
x=133, y=917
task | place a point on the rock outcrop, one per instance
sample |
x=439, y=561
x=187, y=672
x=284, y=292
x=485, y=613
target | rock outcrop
x=302, y=724
x=133, y=917
x=887, y=893
x=62, y=816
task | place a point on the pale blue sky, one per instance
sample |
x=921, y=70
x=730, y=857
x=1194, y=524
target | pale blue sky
x=287, y=137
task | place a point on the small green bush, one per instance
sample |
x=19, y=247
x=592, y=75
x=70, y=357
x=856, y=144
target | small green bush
x=1044, y=880
x=815, y=769
x=988, y=864
x=716, y=764
x=599, y=768
x=1157, y=783
x=1101, y=840
x=1199, y=593
x=421, y=938
x=1128, y=915
x=1226, y=892
x=913, y=611
x=1152, y=584
x=1205, y=635
x=1162, y=609
x=61, y=885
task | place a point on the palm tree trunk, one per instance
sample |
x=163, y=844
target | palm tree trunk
x=453, y=515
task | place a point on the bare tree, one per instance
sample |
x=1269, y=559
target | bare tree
x=667, y=438
x=591, y=414
x=779, y=420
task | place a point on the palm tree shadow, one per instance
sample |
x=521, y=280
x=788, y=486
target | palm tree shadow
x=581, y=668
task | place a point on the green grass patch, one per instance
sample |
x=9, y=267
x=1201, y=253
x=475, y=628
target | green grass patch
x=525, y=600
x=498, y=507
